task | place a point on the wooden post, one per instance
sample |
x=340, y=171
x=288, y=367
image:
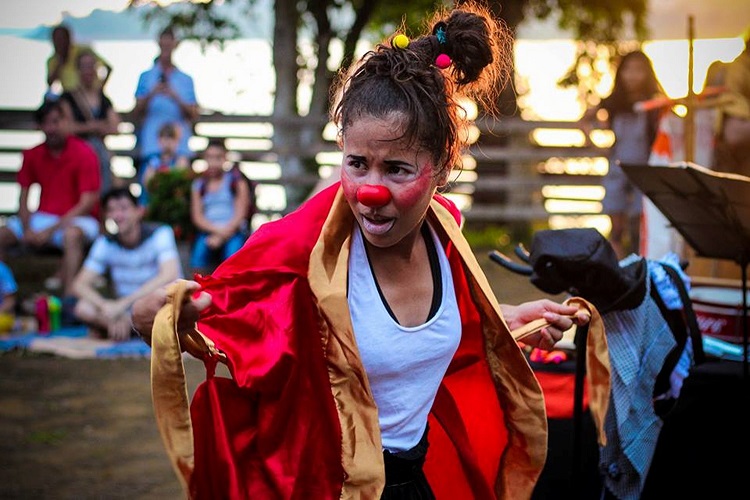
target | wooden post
x=690, y=103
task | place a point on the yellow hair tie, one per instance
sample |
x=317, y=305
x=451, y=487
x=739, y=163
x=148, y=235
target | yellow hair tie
x=401, y=41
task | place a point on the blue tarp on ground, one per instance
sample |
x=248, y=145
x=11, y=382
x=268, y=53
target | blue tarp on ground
x=74, y=342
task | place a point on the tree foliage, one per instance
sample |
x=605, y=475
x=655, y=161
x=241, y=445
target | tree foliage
x=321, y=22
x=201, y=21
x=602, y=21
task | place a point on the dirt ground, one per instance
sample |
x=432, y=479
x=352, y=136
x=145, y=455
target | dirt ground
x=79, y=429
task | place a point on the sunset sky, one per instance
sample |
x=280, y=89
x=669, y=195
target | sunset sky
x=668, y=20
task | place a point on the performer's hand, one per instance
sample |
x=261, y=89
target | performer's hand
x=560, y=318
x=145, y=309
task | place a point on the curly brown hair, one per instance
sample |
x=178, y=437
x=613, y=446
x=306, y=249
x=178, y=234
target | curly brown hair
x=407, y=81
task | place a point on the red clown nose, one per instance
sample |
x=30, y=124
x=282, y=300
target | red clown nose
x=373, y=196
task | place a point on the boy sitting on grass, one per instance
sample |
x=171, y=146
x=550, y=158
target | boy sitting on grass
x=140, y=257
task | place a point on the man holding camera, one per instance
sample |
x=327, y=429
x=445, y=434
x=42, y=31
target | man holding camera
x=164, y=95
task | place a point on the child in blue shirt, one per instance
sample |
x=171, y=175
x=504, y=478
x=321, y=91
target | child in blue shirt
x=219, y=205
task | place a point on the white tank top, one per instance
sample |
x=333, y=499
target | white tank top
x=404, y=365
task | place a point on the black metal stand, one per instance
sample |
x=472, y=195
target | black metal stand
x=711, y=210
x=580, y=375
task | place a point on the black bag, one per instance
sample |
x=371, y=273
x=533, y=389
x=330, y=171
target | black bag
x=582, y=262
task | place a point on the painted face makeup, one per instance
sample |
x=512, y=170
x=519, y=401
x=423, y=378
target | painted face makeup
x=387, y=181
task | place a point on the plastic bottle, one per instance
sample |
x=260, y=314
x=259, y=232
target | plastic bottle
x=7, y=323
x=54, y=306
x=42, y=314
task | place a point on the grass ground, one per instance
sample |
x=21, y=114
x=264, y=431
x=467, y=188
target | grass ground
x=85, y=428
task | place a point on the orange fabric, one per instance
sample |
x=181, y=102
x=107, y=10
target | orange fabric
x=169, y=390
x=662, y=146
x=597, y=367
x=597, y=364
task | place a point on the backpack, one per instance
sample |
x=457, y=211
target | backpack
x=237, y=175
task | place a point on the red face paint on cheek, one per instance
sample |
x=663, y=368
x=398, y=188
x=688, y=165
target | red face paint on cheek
x=349, y=187
x=411, y=194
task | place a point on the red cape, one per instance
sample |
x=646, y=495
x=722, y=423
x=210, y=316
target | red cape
x=298, y=419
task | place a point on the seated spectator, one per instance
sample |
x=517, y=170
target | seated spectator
x=219, y=205
x=90, y=113
x=61, y=66
x=139, y=257
x=164, y=95
x=8, y=289
x=168, y=158
x=67, y=171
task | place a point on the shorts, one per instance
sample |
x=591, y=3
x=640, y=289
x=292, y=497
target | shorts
x=39, y=221
x=203, y=257
x=404, y=476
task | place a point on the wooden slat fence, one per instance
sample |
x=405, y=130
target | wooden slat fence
x=505, y=186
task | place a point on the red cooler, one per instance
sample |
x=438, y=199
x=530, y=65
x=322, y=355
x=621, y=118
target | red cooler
x=719, y=311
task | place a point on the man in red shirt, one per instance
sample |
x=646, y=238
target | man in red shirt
x=67, y=171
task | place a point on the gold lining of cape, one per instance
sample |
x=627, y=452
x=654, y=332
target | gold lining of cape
x=516, y=386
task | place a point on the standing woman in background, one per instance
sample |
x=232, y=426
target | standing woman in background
x=634, y=133
x=90, y=113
